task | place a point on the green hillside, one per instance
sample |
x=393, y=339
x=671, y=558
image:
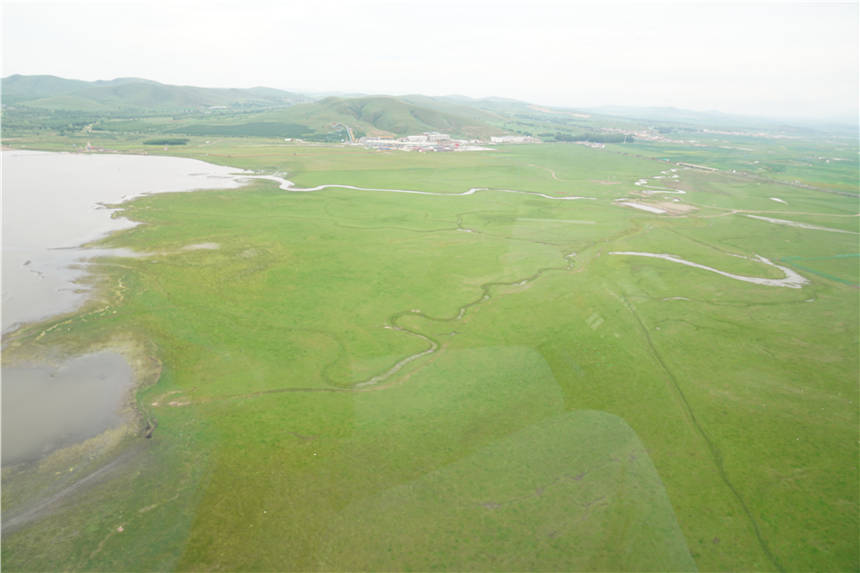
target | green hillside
x=371, y=115
x=250, y=112
x=18, y=88
x=131, y=95
x=413, y=114
x=134, y=105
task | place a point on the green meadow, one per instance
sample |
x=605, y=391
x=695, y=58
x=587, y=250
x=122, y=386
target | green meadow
x=367, y=380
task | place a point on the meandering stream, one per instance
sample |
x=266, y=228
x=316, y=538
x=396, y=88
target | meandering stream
x=791, y=280
x=288, y=185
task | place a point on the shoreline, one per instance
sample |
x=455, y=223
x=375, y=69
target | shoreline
x=29, y=482
x=60, y=228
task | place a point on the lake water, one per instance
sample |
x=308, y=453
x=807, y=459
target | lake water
x=52, y=204
x=45, y=407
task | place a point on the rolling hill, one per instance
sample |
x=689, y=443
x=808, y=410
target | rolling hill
x=371, y=115
x=132, y=95
x=144, y=107
x=131, y=104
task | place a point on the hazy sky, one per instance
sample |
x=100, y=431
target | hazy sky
x=768, y=58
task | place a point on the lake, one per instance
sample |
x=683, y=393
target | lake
x=52, y=204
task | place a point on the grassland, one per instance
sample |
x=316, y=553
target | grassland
x=566, y=408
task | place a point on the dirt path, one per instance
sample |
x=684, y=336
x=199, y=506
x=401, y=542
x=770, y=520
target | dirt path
x=713, y=449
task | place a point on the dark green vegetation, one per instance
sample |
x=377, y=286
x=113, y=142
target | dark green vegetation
x=365, y=380
x=166, y=141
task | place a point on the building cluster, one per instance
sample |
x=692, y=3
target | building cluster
x=428, y=141
x=592, y=144
x=514, y=139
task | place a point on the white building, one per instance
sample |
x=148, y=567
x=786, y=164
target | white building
x=436, y=136
x=514, y=139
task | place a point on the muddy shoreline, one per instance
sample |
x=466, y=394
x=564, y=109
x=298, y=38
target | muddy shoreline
x=71, y=414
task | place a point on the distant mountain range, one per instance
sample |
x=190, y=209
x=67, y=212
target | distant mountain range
x=713, y=118
x=132, y=95
x=247, y=112
x=131, y=104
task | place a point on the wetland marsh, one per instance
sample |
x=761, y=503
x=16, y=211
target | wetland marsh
x=342, y=373
x=53, y=204
x=598, y=309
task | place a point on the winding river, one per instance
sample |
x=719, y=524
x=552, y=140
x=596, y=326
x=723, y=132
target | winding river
x=791, y=280
x=288, y=185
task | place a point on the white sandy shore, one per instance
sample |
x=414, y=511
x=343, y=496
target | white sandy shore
x=791, y=280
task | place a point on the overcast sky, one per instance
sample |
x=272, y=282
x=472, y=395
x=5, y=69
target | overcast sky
x=771, y=58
